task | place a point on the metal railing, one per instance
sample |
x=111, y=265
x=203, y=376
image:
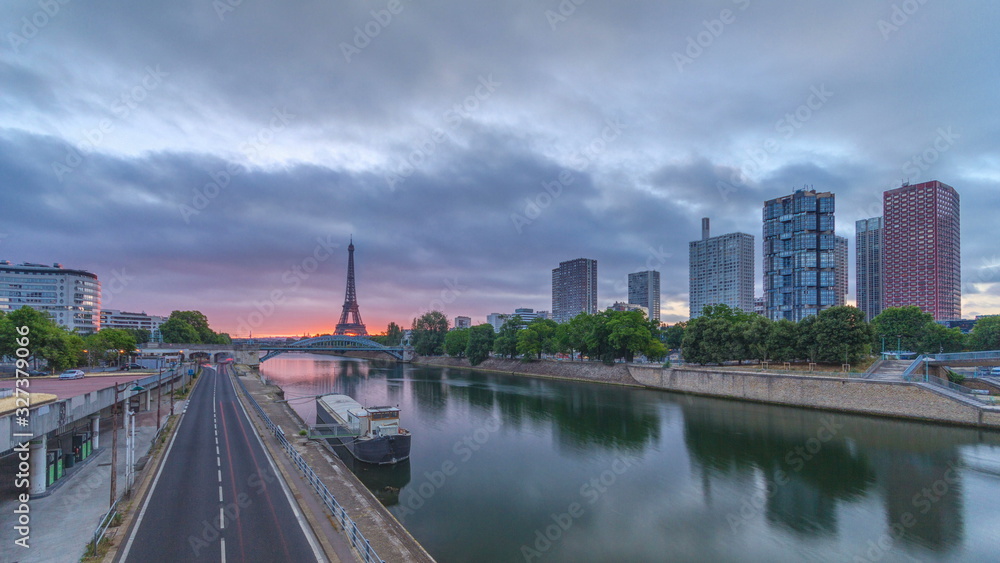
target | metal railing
x=358, y=539
x=780, y=371
x=102, y=527
x=965, y=391
x=918, y=363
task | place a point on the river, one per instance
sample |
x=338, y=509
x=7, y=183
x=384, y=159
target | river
x=508, y=468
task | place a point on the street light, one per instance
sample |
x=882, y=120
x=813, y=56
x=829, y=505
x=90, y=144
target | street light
x=899, y=347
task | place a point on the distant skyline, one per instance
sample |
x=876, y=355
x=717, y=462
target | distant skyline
x=204, y=158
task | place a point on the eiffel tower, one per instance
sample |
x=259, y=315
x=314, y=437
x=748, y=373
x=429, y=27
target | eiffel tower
x=355, y=327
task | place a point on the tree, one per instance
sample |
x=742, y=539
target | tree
x=506, y=340
x=782, y=341
x=176, y=331
x=141, y=335
x=935, y=338
x=985, y=334
x=393, y=335
x=480, y=343
x=190, y=327
x=675, y=336
x=629, y=333
x=109, y=344
x=900, y=326
x=456, y=341
x=429, y=332
x=46, y=339
x=841, y=334
x=529, y=343
x=756, y=337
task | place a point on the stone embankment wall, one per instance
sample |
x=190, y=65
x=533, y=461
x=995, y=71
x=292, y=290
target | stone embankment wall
x=884, y=398
x=617, y=374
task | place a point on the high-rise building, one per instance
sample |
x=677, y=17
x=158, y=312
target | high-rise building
x=644, y=289
x=868, y=234
x=840, y=259
x=721, y=271
x=574, y=289
x=496, y=320
x=760, y=305
x=922, y=261
x=463, y=322
x=800, y=273
x=72, y=297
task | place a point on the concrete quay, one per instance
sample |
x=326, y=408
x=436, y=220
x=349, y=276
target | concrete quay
x=386, y=535
x=887, y=396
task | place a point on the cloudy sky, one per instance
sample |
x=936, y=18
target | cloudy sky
x=220, y=155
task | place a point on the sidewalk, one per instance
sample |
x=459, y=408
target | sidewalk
x=63, y=521
x=387, y=536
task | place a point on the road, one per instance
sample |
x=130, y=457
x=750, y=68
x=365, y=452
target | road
x=216, y=496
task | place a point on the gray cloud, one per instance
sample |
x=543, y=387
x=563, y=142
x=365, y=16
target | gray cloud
x=737, y=123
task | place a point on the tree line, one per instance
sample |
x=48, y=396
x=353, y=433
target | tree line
x=607, y=336
x=836, y=335
x=60, y=348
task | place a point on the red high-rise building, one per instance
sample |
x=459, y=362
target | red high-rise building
x=922, y=256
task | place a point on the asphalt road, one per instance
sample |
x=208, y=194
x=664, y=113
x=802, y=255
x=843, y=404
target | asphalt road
x=216, y=496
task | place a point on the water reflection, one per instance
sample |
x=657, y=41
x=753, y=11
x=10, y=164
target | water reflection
x=812, y=462
x=713, y=479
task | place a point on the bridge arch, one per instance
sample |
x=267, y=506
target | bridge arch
x=338, y=343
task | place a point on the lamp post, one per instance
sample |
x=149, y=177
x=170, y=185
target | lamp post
x=899, y=346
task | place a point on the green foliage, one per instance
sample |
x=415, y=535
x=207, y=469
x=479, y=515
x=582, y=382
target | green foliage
x=190, y=327
x=141, y=335
x=428, y=333
x=480, y=343
x=938, y=339
x=723, y=334
x=986, y=334
x=842, y=335
x=901, y=326
x=456, y=342
x=529, y=343
x=955, y=378
x=506, y=340
x=109, y=344
x=782, y=341
x=393, y=335
x=46, y=339
x=674, y=336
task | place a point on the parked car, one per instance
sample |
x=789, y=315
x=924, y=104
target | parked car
x=128, y=367
x=32, y=372
x=71, y=374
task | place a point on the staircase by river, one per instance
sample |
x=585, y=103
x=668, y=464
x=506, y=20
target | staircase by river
x=890, y=370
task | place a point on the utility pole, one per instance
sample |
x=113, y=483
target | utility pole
x=159, y=384
x=172, y=378
x=114, y=447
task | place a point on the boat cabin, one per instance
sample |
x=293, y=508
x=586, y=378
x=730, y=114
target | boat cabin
x=376, y=421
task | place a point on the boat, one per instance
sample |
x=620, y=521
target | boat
x=371, y=434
